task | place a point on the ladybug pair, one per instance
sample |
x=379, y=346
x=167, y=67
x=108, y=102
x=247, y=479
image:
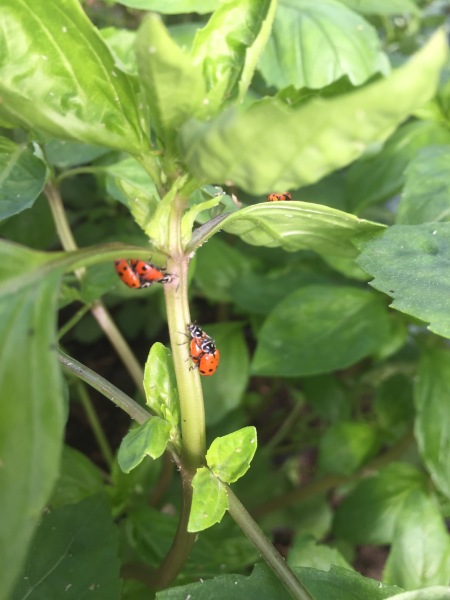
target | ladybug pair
x=203, y=351
x=139, y=274
x=279, y=197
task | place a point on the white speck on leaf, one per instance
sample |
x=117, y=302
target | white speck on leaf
x=434, y=232
x=238, y=450
x=64, y=29
x=68, y=586
x=44, y=57
x=206, y=101
x=151, y=50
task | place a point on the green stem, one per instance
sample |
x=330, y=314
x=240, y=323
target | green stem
x=94, y=422
x=98, y=310
x=106, y=388
x=119, y=343
x=79, y=171
x=73, y=321
x=270, y=554
x=188, y=379
x=322, y=486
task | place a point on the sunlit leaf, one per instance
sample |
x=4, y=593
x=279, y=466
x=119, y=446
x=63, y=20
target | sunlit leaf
x=59, y=77
x=297, y=146
x=229, y=46
x=209, y=500
x=229, y=456
x=383, y=7
x=292, y=226
x=314, y=44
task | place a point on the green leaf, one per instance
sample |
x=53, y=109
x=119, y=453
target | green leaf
x=370, y=513
x=426, y=195
x=78, y=479
x=436, y=592
x=148, y=439
x=334, y=132
x=420, y=552
x=71, y=154
x=122, y=44
x=410, y=264
x=393, y=404
x=223, y=392
x=320, y=328
x=22, y=178
x=160, y=385
x=293, y=226
x=314, y=44
x=229, y=46
x=377, y=178
x=346, y=446
x=69, y=86
x=229, y=457
x=335, y=584
x=432, y=425
x=128, y=182
x=172, y=7
x=306, y=552
x=74, y=555
x=209, y=500
x=173, y=86
x=32, y=408
x=383, y=7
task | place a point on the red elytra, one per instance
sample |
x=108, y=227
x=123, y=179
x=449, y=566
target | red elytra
x=140, y=274
x=279, y=197
x=203, y=351
x=126, y=273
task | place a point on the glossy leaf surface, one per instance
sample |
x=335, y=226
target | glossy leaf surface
x=318, y=329
x=209, y=500
x=229, y=456
x=59, y=77
x=410, y=264
x=294, y=226
x=297, y=146
x=22, y=178
x=74, y=555
x=228, y=47
x=314, y=44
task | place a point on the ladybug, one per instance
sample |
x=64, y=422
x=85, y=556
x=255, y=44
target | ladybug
x=126, y=273
x=279, y=197
x=139, y=274
x=203, y=350
x=148, y=272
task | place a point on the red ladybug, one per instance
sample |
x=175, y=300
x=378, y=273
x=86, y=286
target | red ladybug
x=149, y=272
x=140, y=274
x=126, y=273
x=203, y=350
x=279, y=197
